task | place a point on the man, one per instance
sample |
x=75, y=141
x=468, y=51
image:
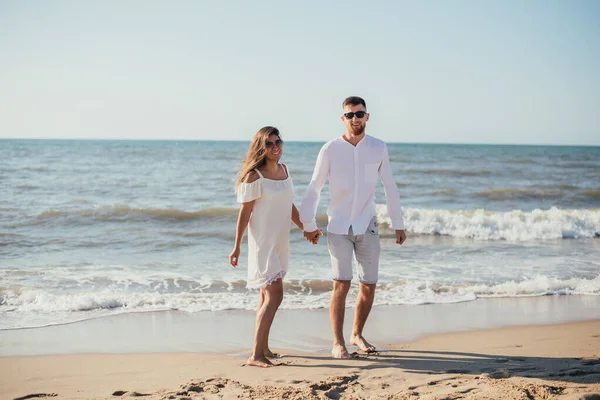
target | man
x=352, y=163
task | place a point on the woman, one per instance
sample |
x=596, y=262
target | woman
x=265, y=190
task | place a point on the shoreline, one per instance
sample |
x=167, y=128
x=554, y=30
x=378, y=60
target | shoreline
x=231, y=332
x=529, y=362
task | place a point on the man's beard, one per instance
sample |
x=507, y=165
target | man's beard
x=358, y=130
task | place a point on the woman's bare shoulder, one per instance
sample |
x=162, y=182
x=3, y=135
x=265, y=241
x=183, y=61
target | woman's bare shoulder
x=251, y=177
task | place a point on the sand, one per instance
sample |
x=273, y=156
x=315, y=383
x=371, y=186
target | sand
x=524, y=362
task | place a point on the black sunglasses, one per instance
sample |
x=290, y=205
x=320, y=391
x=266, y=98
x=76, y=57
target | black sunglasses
x=359, y=114
x=277, y=143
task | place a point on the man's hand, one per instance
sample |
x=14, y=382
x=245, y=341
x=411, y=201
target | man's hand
x=313, y=236
x=400, y=236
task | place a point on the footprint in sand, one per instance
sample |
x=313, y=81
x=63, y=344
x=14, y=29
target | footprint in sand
x=34, y=395
x=120, y=393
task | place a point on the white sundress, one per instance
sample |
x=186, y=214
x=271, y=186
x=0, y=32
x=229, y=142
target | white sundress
x=268, y=228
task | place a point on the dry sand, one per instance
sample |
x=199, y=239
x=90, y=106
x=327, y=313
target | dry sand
x=531, y=362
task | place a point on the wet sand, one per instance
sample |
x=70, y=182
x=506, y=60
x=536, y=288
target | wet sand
x=202, y=356
x=535, y=362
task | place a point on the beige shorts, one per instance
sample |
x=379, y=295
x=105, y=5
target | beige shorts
x=366, y=249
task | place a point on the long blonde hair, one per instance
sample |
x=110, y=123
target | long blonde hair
x=257, y=153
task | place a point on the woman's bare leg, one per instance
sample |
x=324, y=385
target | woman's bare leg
x=271, y=297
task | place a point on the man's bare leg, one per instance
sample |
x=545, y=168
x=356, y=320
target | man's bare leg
x=337, y=310
x=273, y=295
x=364, y=302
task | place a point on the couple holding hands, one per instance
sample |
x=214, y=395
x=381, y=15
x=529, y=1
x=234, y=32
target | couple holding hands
x=352, y=163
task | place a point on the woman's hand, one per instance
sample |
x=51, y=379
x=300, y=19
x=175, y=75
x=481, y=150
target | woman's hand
x=234, y=257
x=313, y=237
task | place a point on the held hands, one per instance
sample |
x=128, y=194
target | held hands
x=234, y=257
x=400, y=236
x=313, y=236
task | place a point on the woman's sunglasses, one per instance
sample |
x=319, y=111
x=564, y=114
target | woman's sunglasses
x=359, y=114
x=277, y=143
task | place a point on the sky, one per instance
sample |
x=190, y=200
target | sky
x=494, y=72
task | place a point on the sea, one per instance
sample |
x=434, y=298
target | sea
x=91, y=228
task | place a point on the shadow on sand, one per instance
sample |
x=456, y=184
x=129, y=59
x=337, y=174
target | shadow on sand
x=576, y=370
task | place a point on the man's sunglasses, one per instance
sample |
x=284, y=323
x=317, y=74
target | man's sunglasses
x=277, y=143
x=359, y=114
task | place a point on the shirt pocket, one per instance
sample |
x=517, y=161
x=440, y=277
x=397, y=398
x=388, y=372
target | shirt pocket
x=373, y=227
x=371, y=172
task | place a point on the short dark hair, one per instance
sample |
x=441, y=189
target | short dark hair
x=354, y=101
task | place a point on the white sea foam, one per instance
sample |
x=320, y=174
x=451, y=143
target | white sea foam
x=36, y=307
x=480, y=224
x=512, y=225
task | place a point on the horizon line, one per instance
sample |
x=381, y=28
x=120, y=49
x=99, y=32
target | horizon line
x=301, y=141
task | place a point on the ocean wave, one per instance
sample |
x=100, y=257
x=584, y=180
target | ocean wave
x=126, y=213
x=448, y=172
x=27, y=187
x=429, y=292
x=444, y=192
x=59, y=307
x=479, y=224
x=566, y=186
x=10, y=235
x=564, y=191
x=521, y=161
x=512, y=225
x=594, y=194
x=35, y=169
x=581, y=164
x=501, y=194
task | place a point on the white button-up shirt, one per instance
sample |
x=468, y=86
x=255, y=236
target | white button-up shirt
x=352, y=172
